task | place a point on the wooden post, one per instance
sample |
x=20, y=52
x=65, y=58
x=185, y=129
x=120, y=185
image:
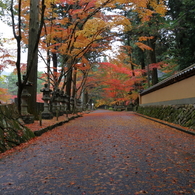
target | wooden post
x=40, y=119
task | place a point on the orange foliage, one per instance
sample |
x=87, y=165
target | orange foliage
x=80, y=31
x=143, y=46
x=144, y=38
x=4, y=95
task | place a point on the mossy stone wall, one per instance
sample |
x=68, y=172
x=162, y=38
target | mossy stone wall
x=183, y=115
x=12, y=129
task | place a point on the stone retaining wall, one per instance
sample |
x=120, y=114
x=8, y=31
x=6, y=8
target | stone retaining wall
x=183, y=115
x=12, y=129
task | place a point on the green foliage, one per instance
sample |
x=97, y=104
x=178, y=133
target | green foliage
x=40, y=82
x=180, y=29
x=174, y=37
x=3, y=7
x=9, y=82
x=3, y=81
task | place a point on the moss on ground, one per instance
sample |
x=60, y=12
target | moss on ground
x=12, y=129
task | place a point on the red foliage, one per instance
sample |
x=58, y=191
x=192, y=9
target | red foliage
x=158, y=65
x=39, y=98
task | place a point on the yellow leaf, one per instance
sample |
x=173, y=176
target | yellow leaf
x=93, y=26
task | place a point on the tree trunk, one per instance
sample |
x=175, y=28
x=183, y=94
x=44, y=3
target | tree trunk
x=48, y=68
x=69, y=83
x=74, y=82
x=74, y=90
x=142, y=59
x=152, y=54
x=33, y=55
x=18, y=40
x=55, y=71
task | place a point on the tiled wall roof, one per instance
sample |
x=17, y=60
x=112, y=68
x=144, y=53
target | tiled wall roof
x=186, y=73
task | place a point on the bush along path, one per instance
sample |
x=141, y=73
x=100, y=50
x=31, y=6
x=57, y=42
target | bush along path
x=103, y=153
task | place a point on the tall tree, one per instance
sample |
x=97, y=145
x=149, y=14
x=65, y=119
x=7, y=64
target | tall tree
x=182, y=27
x=18, y=37
x=32, y=60
x=139, y=42
x=35, y=27
x=74, y=29
x=17, y=31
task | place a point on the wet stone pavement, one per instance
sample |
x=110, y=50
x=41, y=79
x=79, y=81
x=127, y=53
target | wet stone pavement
x=103, y=153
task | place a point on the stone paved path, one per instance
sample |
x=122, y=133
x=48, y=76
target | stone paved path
x=103, y=153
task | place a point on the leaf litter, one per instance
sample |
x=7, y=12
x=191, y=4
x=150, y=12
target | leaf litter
x=103, y=153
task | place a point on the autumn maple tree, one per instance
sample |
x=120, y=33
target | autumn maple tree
x=69, y=39
x=114, y=81
x=83, y=35
x=69, y=32
x=122, y=78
